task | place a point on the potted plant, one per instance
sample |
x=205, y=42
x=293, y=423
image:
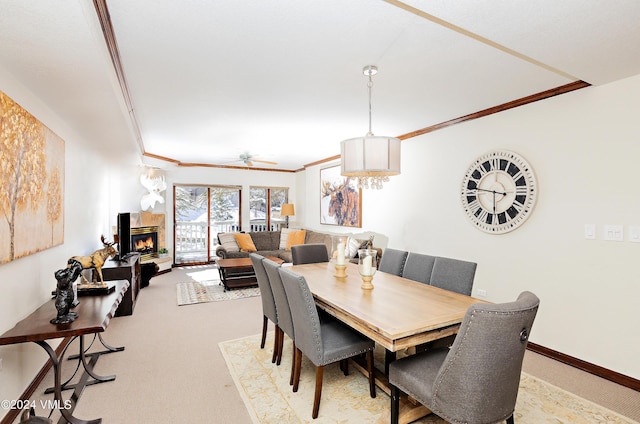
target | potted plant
x=163, y=252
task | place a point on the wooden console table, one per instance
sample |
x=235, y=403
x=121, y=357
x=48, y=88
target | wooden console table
x=128, y=269
x=94, y=314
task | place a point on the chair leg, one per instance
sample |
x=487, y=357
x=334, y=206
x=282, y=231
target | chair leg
x=296, y=378
x=372, y=379
x=395, y=404
x=318, y=394
x=264, y=331
x=276, y=338
x=510, y=420
x=280, y=345
x=344, y=365
x=293, y=364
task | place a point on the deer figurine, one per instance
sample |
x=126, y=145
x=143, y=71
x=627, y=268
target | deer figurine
x=96, y=260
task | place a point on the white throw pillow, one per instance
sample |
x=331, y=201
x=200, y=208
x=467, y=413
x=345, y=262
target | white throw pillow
x=284, y=236
x=354, y=244
x=228, y=241
x=352, y=247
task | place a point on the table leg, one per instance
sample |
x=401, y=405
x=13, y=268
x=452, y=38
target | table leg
x=89, y=368
x=109, y=348
x=66, y=413
x=223, y=278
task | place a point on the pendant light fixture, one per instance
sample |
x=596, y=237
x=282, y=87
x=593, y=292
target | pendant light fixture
x=371, y=159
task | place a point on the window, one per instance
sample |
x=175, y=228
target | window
x=201, y=212
x=264, y=207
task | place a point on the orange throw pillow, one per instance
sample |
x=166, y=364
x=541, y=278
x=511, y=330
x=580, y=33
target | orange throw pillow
x=296, y=237
x=245, y=242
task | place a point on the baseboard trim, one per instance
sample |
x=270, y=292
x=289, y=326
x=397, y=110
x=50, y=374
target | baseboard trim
x=621, y=379
x=11, y=416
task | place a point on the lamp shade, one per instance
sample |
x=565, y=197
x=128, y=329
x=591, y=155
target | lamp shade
x=370, y=156
x=287, y=209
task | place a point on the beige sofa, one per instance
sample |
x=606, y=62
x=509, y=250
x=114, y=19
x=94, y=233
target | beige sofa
x=268, y=243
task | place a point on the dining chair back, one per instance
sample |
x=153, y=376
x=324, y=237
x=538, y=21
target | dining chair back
x=453, y=274
x=323, y=342
x=477, y=379
x=418, y=267
x=268, y=302
x=309, y=253
x=392, y=261
x=285, y=323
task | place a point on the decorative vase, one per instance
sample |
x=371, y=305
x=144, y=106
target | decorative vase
x=367, y=266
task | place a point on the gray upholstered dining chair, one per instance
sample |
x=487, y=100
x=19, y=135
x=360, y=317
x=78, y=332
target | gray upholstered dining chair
x=322, y=342
x=285, y=322
x=453, y=274
x=268, y=302
x=392, y=261
x=309, y=253
x=418, y=267
x=477, y=379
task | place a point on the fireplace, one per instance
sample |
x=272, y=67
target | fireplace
x=144, y=240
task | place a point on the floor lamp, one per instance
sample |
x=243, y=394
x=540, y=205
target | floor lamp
x=287, y=211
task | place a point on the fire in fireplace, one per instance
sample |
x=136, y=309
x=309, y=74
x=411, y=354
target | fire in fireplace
x=144, y=240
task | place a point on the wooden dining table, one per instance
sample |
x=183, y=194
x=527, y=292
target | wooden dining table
x=397, y=313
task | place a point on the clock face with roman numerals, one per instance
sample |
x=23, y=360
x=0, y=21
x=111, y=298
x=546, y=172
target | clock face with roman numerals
x=498, y=192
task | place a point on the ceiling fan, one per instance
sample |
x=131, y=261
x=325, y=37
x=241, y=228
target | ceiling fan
x=248, y=160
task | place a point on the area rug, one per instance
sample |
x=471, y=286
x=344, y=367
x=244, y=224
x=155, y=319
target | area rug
x=193, y=292
x=265, y=390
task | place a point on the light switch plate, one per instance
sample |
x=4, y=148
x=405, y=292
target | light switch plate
x=634, y=234
x=590, y=231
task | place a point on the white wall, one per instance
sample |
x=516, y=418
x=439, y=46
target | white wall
x=585, y=150
x=93, y=185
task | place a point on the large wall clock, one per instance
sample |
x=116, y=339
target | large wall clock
x=499, y=191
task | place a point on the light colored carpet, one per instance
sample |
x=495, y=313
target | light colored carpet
x=268, y=397
x=192, y=292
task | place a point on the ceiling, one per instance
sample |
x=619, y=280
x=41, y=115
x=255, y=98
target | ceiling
x=207, y=81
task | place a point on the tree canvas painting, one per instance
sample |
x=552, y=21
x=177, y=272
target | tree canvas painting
x=340, y=199
x=32, y=177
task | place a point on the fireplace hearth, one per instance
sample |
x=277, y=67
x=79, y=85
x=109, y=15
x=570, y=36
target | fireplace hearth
x=144, y=240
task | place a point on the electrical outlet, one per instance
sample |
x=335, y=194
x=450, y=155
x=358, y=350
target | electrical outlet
x=613, y=232
x=482, y=293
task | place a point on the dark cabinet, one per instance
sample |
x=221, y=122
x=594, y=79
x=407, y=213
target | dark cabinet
x=129, y=270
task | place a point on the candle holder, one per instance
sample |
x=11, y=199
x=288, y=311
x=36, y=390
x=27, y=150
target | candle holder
x=338, y=250
x=367, y=267
x=341, y=271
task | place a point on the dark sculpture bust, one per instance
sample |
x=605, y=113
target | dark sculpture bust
x=64, y=292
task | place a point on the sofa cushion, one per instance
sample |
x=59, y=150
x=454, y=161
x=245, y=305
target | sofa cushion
x=317, y=237
x=265, y=240
x=245, y=242
x=295, y=237
x=354, y=244
x=228, y=241
x=284, y=236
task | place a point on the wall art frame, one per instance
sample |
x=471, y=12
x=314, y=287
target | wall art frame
x=340, y=199
x=32, y=175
